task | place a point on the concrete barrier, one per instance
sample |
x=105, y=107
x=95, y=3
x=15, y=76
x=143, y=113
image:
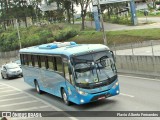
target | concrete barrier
x=146, y=65
x=134, y=45
x=6, y=57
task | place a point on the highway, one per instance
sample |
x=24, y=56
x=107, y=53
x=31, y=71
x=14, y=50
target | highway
x=137, y=94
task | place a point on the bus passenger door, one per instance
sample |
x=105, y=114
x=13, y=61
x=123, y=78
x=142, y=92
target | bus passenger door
x=71, y=90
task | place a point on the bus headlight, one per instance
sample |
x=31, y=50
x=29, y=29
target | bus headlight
x=82, y=93
x=115, y=85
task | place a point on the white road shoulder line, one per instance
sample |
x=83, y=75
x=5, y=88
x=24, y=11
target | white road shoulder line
x=4, y=87
x=13, y=99
x=127, y=95
x=19, y=103
x=11, y=94
x=140, y=78
x=48, y=104
x=33, y=108
x=7, y=91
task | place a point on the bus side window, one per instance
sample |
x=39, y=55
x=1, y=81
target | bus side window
x=22, y=58
x=39, y=61
x=46, y=62
x=55, y=64
x=29, y=60
x=35, y=59
x=42, y=59
x=50, y=63
x=26, y=59
x=67, y=73
x=32, y=59
x=59, y=64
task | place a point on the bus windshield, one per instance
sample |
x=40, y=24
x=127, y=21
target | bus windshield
x=94, y=68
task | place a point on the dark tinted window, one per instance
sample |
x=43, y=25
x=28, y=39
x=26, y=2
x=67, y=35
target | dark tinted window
x=25, y=60
x=43, y=61
x=35, y=59
x=51, y=63
x=59, y=64
x=29, y=60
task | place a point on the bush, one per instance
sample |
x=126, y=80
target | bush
x=35, y=35
x=65, y=34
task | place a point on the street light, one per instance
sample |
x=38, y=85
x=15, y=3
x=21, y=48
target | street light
x=19, y=38
x=101, y=19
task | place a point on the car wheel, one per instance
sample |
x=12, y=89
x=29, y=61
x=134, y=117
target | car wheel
x=21, y=75
x=65, y=97
x=7, y=77
x=37, y=87
x=2, y=76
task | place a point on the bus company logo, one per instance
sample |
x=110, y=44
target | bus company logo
x=6, y=114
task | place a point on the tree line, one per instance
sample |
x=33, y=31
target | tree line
x=21, y=9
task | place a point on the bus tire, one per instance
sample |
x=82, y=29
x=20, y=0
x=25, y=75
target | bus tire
x=37, y=87
x=65, y=97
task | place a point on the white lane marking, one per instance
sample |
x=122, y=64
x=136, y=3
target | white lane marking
x=148, y=51
x=11, y=94
x=140, y=78
x=32, y=108
x=13, y=99
x=7, y=91
x=127, y=95
x=19, y=103
x=3, y=87
x=54, y=107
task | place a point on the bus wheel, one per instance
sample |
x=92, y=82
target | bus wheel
x=37, y=87
x=65, y=97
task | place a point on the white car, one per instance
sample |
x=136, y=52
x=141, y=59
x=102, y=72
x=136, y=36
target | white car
x=17, y=62
x=11, y=70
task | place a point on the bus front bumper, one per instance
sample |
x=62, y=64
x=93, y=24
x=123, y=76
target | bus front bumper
x=83, y=99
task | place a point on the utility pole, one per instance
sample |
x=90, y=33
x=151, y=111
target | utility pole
x=19, y=38
x=90, y=14
x=101, y=19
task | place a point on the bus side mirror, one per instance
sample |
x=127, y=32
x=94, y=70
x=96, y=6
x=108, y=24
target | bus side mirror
x=114, y=58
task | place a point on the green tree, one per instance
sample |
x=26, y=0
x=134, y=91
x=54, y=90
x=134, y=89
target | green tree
x=84, y=5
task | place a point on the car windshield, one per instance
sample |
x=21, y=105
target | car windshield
x=12, y=66
x=17, y=61
x=94, y=68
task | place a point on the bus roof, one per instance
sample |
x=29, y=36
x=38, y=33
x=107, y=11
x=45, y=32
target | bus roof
x=68, y=50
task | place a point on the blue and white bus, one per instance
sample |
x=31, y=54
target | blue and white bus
x=78, y=73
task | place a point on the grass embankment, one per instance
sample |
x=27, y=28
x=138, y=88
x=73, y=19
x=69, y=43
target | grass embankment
x=36, y=35
x=118, y=37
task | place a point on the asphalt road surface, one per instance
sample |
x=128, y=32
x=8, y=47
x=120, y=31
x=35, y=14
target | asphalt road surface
x=155, y=23
x=137, y=94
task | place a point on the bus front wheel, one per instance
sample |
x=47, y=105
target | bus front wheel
x=37, y=87
x=65, y=97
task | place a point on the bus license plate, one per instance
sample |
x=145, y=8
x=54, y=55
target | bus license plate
x=100, y=98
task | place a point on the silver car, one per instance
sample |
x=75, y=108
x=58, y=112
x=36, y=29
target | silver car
x=11, y=70
x=17, y=62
